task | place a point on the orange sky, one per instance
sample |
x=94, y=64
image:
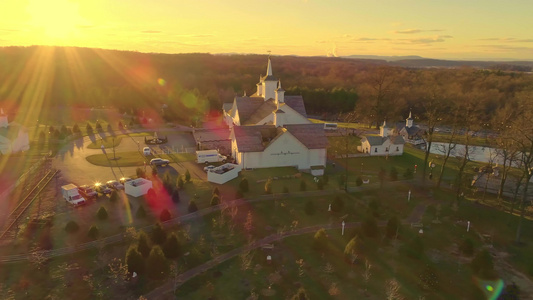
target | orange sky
x=436, y=29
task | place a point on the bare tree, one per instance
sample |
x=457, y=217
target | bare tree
x=392, y=289
x=367, y=274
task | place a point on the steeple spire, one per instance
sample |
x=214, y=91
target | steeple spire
x=409, y=121
x=269, y=67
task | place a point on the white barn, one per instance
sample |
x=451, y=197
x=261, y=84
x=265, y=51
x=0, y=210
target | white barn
x=13, y=137
x=384, y=144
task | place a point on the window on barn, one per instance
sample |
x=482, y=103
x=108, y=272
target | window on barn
x=397, y=149
x=375, y=149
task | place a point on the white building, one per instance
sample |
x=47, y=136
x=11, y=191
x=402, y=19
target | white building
x=384, y=144
x=269, y=129
x=411, y=133
x=13, y=137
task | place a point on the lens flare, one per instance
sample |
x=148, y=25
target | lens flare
x=161, y=81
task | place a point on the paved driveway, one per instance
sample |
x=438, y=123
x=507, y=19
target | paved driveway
x=74, y=168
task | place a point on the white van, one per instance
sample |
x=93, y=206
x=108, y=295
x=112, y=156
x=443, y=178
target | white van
x=146, y=151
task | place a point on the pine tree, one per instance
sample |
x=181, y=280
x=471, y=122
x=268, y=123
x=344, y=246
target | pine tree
x=157, y=265
x=143, y=246
x=159, y=235
x=134, y=260
x=187, y=176
x=243, y=185
x=192, y=207
x=172, y=247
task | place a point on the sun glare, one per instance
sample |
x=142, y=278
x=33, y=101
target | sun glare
x=58, y=19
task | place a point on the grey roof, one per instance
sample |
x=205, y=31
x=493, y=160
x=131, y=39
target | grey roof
x=269, y=78
x=411, y=131
x=296, y=103
x=257, y=138
x=227, y=106
x=279, y=111
x=312, y=136
x=253, y=109
x=376, y=140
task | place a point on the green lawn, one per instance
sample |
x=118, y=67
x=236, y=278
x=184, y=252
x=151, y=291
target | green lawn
x=123, y=159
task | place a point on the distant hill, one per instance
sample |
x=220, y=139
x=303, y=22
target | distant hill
x=414, y=61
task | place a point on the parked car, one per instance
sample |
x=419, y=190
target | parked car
x=146, y=151
x=125, y=179
x=159, y=162
x=210, y=167
x=115, y=185
x=87, y=192
x=102, y=189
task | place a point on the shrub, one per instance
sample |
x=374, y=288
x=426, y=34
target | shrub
x=303, y=185
x=341, y=181
x=408, y=174
x=140, y=173
x=187, y=176
x=301, y=294
x=159, y=235
x=429, y=278
x=141, y=212
x=114, y=196
x=358, y=181
x=76, y=129
x=414, y=248
x=93, y=232
x=310, y=208
x=134, y=260
x=72, y=227
x=268, y=186
x=467, y=247
x=172, y=247
x=151, y=195
x=157, y=265
x=192, y=207
x=143, y=246
x=393, y=226
x=244, y=186
x=337, y=205
x=215, y=200
x=89, y=129
x=216, y=191
x=320, y=184
x=165, y=215
x=353, y=249
x=285, y=190
x=370, y=226
x=176, y=196
x=482, y=263
x=102, y=213
x=393, y=174
x=181, y=183
x=109, y=129
x=320, y=240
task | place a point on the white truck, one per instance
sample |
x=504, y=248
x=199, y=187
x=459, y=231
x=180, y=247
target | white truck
x=71, y=194
x=208, y=156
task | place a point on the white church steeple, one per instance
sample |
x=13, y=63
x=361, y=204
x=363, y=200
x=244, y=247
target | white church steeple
x=385, y=130
x=280, y=94
x=409, y=121
x=269, y=83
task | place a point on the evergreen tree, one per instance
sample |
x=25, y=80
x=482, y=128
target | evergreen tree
x=337, y=205
x=76, y=129
x=216, y=191
x=141, y=212
x=143, y=246
x=176, y=196
x=192, y=207
x=303, y=185
x=243, y=185
x=159, y=235
x=93, y=232
x=268, y=186
x=157, y=265
x=114, y=196
x=358, y=181
x=370, y=226
x=320, y=241
x=140, y=173
x=392, y=228
x=483, y=264
x=165, y=215
x=172, y=247
x=134, y=260
x=89, y=129
x=102, y=213
x=215, y=200
x=180, y=182
x=310, y=208
x=187, y=176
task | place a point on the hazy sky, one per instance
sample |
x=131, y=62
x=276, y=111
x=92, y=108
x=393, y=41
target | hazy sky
x=429, y=28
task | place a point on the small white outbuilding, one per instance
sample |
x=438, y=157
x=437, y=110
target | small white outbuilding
x=137, y=187
x=223, y=173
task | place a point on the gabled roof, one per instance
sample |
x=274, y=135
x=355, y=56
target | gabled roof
x=376, y=140
x=254, y=109
x=312, y=136
x=257, y=138
x=296, y=103
x=209, y=135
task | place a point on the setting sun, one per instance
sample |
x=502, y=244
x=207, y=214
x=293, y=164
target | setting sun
x=57, y=20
